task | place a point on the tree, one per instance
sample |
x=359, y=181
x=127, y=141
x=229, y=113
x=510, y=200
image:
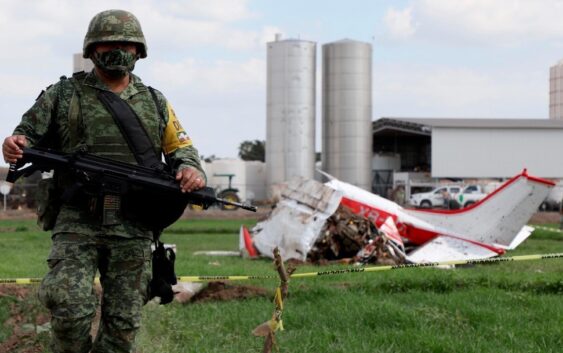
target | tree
x=252, y=150
x=208, y=159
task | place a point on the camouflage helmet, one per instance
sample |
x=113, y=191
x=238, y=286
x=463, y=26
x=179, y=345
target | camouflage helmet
x=114, y=26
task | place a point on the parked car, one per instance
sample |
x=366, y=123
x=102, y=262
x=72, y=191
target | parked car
x=553, y=201
x=434, y=198
x=550, y=205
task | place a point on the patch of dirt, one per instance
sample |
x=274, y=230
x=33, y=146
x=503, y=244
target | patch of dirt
x=21, y=341
x=24, y=341
x=18, y=214
x=545, y=217
x=261, y=214
x=221, y=291
x=14, y=290
x=216, y=213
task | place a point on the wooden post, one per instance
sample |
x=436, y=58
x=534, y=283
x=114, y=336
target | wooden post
x=268, y=329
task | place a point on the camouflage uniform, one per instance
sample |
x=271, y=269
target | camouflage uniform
x=71, y=114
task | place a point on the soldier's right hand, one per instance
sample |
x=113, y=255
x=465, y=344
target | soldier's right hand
x=12, y=148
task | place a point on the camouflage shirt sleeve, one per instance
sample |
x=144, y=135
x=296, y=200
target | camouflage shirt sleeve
x=36, y=121
x=176, y=144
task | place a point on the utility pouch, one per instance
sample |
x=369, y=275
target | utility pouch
x=111, y=210
x=48, y=203
x=163, y=275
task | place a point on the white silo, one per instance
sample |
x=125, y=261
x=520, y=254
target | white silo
x=556, y=91
x=81, y=64
x=347, y=111
x=290, y=126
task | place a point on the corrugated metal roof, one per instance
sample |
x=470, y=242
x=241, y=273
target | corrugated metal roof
x=473, y=123
x=387, y=124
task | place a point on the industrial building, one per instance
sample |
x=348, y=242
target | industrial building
x=472, y=148
x=422, y=150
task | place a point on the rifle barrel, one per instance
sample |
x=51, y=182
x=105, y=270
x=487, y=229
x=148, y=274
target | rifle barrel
x=244, y=206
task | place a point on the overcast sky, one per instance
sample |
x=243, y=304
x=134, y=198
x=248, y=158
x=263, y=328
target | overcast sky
x=432, y=58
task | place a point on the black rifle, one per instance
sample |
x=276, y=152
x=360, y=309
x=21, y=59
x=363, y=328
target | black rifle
x=152, y=193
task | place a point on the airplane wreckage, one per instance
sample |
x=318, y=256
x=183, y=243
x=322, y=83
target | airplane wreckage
x=336, y=220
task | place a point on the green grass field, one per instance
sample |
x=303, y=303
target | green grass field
x=505, y=307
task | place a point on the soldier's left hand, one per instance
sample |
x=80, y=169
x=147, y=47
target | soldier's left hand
x=190, y=179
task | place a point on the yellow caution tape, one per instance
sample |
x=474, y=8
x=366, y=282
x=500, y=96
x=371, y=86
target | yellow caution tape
x=19, y=280
x=29, y=280
x=333, y=272
x=278, y=300
x=549, y=229
x=275, y=325
x=222, y=278
x=377, y=268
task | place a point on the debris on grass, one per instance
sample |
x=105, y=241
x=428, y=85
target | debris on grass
x=217, y=253
x=350, y=238
x=309, y=224
x=184, y=291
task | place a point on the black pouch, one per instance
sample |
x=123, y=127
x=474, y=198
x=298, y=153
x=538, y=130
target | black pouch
x=163, y=275
x=48, y=203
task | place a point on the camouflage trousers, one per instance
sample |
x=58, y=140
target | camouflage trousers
x=68, y=292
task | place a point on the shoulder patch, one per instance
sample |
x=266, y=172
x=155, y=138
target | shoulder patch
x=174, y=134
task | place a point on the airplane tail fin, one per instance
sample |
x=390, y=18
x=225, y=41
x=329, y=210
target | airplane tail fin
x=500, y=218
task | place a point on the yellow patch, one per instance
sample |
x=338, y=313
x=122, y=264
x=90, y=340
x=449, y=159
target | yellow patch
x=174, y=135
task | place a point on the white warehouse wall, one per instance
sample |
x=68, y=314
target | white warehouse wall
x=496, y=153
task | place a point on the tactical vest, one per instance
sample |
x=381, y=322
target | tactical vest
x=91, y=128
x=83, y=124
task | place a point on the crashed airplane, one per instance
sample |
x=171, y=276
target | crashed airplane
x=485, y=229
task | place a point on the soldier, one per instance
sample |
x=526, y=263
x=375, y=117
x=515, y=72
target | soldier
x=68, y=116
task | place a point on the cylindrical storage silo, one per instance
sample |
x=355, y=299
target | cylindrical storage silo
x=347, y=111
x=556, y=91
x=81, y=64
x=290, y=126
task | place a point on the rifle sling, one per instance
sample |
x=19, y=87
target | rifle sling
x=132, y=129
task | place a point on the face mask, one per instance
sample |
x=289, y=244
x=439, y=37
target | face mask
x=115, y=63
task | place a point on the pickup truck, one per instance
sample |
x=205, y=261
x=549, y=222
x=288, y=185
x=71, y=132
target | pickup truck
x=458, y=196
x=469, y=195
x=434, y=198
